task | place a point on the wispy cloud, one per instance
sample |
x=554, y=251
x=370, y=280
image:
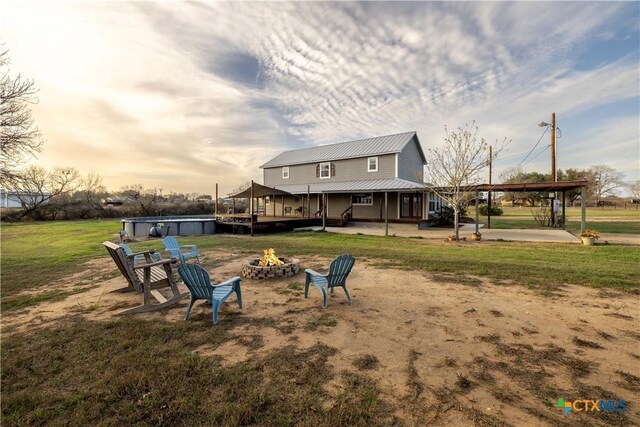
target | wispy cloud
x=211, y=91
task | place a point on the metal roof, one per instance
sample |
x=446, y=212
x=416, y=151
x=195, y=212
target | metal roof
x=392, y=184
x=346, y=150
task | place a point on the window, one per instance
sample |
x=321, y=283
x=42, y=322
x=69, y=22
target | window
x=325, y=170
x=372, y=164
x=267, y=200
x=362, y=199
x=285, y=172
x=434, y=202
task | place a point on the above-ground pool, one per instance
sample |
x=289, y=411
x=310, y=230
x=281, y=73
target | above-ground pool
x=169, y=225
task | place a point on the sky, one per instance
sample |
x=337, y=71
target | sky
x=180, y=96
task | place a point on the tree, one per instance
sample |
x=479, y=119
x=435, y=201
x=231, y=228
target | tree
x=574, y=175
x=634, y=190
x=457, y=165
x=19, y=137
x=38, y=188
x=517, y=176
x=605, y=181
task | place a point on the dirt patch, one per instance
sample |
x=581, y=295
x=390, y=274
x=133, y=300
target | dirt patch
x=446, y=350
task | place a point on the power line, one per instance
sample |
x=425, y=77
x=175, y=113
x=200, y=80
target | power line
x=534, y=147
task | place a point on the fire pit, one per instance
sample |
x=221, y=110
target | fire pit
x=270, y=266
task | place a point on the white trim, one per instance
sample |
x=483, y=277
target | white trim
x=285, y=169
x=397, y=170
x=369, y=164
x=325, y=163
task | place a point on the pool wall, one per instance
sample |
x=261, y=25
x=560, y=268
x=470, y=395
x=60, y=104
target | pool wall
x=171, y=226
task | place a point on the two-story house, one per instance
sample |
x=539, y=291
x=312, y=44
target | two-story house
x=357, y=174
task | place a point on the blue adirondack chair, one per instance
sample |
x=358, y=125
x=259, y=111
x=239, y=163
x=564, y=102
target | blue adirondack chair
x=337, y=277
x=199, y=283
x=176, y=251
x=155, y=256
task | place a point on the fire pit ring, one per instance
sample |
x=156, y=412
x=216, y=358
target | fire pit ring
x=290, y=268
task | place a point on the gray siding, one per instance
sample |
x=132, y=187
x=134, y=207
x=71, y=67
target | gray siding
x=410, y=166
x=346, y=170
x=339, y=202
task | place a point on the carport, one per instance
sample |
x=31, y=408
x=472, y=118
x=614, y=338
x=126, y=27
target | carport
x=551, y=187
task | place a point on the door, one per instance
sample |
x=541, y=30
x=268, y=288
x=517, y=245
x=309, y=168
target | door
x=411, y=205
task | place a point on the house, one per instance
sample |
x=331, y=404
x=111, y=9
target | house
x=353, y=179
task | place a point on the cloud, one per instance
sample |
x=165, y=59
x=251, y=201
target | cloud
x=206, y=92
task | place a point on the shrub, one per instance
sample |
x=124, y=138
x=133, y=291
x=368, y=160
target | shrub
x=495, y=210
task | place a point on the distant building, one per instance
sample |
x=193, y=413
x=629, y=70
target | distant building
x=18, y=199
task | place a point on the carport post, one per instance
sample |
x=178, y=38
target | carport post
x=477, y=197
x=583, y=205
x=386, y=213
x=564, y=202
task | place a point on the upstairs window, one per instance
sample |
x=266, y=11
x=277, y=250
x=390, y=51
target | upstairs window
x=285, y=172
x=372, y=164
x=362, y=199
x=325, y=170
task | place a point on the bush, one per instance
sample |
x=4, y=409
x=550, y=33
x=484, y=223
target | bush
x=495, y=210
x=445, y=217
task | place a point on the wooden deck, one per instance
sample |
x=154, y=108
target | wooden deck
x=240, y=224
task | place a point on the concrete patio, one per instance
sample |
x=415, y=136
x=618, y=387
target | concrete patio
x=411, y=230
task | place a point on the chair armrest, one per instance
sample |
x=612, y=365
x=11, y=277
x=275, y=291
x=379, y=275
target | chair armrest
x=150, y=251
x=153, y=264
x=313, y=272
x=189, y=246
x=227, y=282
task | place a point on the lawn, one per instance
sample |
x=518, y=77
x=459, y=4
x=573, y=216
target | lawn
x=155, y=369
x=36, y=254
x=603, y=220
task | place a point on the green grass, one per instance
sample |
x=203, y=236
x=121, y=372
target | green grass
x=604, y=220
x=35, y=255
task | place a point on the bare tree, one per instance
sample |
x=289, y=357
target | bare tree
x=634, y=190
x=37, y=187
x=457, y=165
x=19, y=137
x=605, y=181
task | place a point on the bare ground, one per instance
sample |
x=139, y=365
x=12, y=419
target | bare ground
x=443, y=351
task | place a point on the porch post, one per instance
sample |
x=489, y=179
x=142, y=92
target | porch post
x=583, y=205
x=477, y=214
x=251, y=209
x=308, y=201
x=216, y=205
x=386, y=213
x=282, y=205
x=273, y=201
x=324, y=210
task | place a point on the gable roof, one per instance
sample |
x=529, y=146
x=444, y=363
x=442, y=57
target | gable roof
x=376, y=146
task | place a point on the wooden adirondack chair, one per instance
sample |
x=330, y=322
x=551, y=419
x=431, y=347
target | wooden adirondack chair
x=339, y=269
x=199, y=283
x=155, y=256
x=175, y=250
x=146, y=278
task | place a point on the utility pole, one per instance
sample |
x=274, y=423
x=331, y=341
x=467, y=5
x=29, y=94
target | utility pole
x=554, y=177
x=489, y=192
x=553, y=147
